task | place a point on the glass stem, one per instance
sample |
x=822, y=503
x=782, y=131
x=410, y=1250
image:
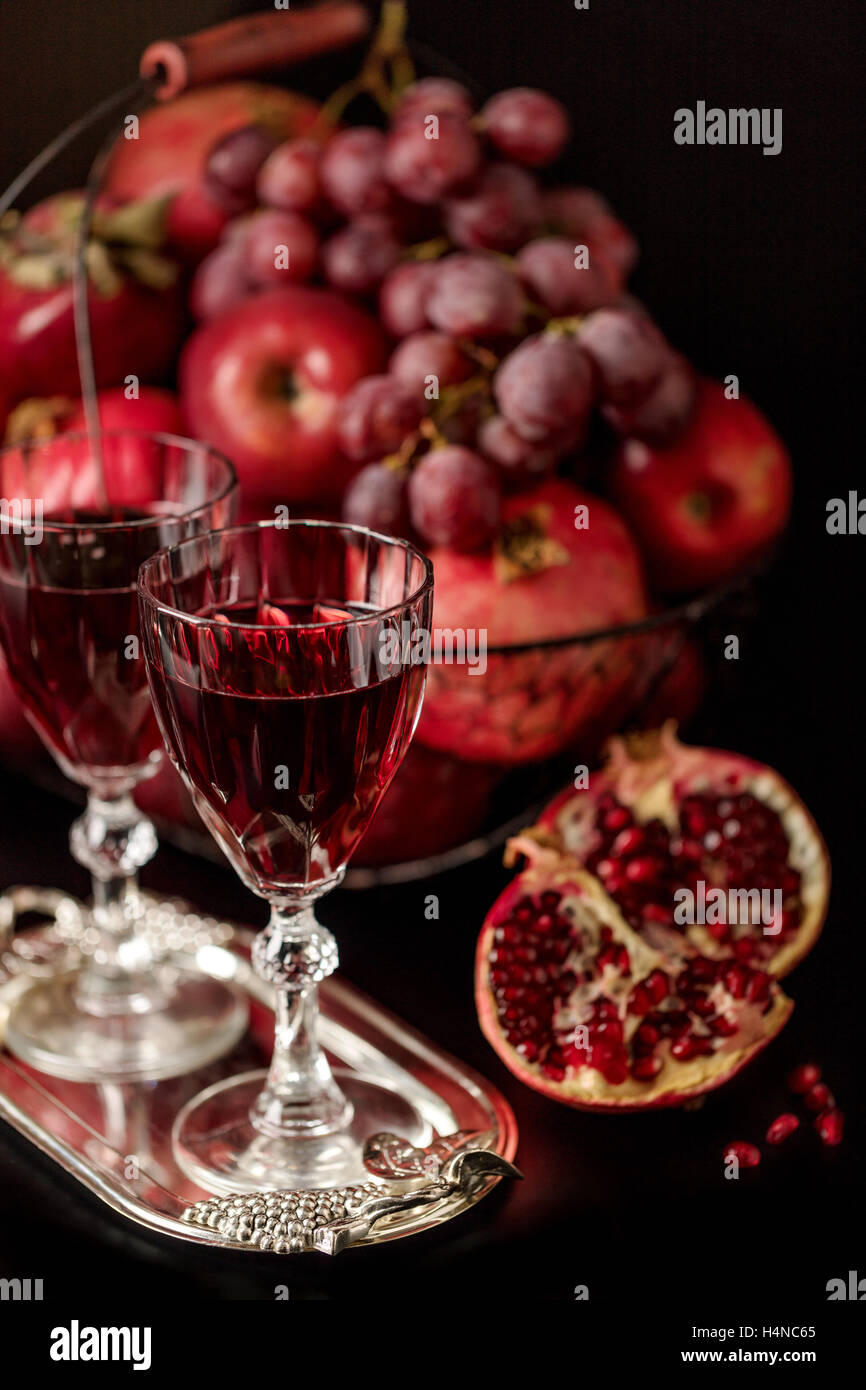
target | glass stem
x=113, y=840
x=294, y=953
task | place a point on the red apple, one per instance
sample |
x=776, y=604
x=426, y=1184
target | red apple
x=262, y=382
x=705, y=507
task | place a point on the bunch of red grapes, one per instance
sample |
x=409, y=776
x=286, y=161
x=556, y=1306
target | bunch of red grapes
x=507, y=299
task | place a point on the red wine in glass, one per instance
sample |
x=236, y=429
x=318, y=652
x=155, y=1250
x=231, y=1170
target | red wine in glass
x=70, y=636
x=288, y=779
x=287, y=682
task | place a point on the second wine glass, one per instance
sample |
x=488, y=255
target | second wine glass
x=287, y=665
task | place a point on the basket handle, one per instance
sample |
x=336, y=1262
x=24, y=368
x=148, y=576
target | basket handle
x=240, y=47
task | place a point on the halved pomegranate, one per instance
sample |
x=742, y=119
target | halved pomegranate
x=662, y=817
x=583, y=1009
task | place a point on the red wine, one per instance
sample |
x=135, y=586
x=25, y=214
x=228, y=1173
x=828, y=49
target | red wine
x=286, y=746
x=66, y=649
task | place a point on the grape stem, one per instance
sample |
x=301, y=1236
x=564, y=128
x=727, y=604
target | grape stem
x=385, y=72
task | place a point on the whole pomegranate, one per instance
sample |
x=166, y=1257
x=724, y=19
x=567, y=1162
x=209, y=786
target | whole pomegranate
x=135, y=298
x=563, y=564
x=175, y=141
x=454, y=809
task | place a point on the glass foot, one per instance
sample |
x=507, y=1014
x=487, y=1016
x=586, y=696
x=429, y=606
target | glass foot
x=219, y=1148
x=198, y=1020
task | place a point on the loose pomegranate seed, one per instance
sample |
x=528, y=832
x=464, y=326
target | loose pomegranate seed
x=781, y=1127
x=819, y=1097
x=746, y=1154
x=803, y=1078
x=830, y=1127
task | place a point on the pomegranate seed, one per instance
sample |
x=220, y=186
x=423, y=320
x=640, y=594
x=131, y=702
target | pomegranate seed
x=759, y=987
x=627, y=841
x=550, y=901
x=683, y=1049
x=647, y=1035
x=695, y=821
x=616, y=819
x=605, y=868
x=555, y=1073
x=657, y=985
x=803, y=1078
x=746, y=1154
x=781, y=1127
x=643, y=870
x=736, y=980
x=819, y=1097
x=723, y=1027
x=646, y=1068
x=830, y=1127
x=639, y=1003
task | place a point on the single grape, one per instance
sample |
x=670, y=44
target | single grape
x=558, y=278
x=377, y=498
x=289, y=177
x=358, y=257
x=499, y=212
x=233, y=165
x=545, y=387
x=352, y=171
x=403, y=297
x=219, y=283
x=629, y=353
x=279, y=248
x=527, y=125
x=586, y=216
x=662, y=416
x=433, y=96
x=375, y=417
x=454, y=499
x=424, y=165
x=475, y=296
x=520, y=463
x=430, y=354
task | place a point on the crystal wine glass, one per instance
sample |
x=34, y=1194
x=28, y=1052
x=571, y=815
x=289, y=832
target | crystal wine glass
x=287, y=665
x=79, y=515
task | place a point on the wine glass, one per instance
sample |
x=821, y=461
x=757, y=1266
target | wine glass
x=79, y=515
x=287, y=664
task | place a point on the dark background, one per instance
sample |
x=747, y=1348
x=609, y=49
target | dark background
x=754, y=266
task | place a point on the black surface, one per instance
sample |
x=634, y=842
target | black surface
x=754, y=265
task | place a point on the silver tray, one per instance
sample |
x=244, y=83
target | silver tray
x=115, y=1138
